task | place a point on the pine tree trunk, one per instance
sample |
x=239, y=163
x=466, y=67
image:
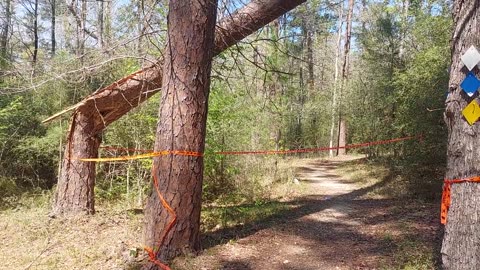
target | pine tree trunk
x=75, y=190
x=182, y=126
x=461, y=249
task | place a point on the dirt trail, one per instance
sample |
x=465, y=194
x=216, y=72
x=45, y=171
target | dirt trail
x=331, y=227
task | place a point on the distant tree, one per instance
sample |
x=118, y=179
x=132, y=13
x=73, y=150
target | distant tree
x=35, y=32
x=5, y=33
x=336, y=83
x=342, y=123
x=53, y=21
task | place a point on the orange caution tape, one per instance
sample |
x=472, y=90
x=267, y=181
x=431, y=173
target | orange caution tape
x=270, y=152
x=306, y=150
x=151, y=254
x=446, y=195
x=148, y=155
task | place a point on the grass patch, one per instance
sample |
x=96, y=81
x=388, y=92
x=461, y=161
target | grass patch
x=395, y=178
x=219, y=217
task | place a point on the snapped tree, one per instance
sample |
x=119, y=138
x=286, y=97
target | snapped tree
x=93, y=114
x=460, y=248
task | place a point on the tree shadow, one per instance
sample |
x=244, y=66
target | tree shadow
x=294, y=209
x=368, y=212
x=235, y=265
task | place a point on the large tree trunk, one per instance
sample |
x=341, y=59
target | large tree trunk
x=460, y=249
x=115, y=100
x=182, y=126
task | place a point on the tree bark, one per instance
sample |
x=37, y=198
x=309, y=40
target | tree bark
x=112, y=102
x=182, y=126
x=460, y=248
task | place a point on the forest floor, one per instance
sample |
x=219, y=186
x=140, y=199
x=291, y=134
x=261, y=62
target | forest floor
x=335, y=219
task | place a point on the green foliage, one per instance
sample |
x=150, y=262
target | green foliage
x=400, y=90
x=230, y=216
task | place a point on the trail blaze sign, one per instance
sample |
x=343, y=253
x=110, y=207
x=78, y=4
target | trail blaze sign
x=470, y=84
x=471, y=57
x=472, y=112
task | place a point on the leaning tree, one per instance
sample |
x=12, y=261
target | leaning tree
x=75, y=189
x=460, y=248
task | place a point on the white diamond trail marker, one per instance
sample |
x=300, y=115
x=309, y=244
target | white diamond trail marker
x=471, y=57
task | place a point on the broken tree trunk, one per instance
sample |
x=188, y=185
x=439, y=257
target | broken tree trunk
x=112, y=102
x=75, y=193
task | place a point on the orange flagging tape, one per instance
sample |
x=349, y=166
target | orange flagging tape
x=446, y=195
x=306, y=150
x=151, y=254
x=260, y=152
x=148, y=155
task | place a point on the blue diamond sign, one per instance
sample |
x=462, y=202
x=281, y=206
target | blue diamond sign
x=470, y=84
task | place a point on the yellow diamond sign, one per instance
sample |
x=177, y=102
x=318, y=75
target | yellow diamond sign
x=472, y=112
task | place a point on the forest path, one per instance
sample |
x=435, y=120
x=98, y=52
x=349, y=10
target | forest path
x=330, y=226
